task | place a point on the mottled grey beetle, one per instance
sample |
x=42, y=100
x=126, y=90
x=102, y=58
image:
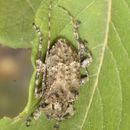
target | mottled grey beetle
x=61, y=72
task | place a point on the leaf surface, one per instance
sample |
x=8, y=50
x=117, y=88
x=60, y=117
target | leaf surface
x=104, y=100
x=16, y=17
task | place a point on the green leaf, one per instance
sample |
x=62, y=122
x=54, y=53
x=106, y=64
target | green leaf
x=104, y=101
x=16, y=17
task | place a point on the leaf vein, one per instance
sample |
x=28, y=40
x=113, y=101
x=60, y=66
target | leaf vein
x=126, y=5
x=30, y=5
x=118, y=77
x=100, y=64
x=117, y=33
x=88, y=6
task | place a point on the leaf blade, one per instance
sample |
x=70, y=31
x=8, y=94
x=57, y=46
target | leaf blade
x=103, y=102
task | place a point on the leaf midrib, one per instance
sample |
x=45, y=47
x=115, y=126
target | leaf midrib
x=100, y=63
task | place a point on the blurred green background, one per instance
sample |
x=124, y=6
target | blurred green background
x=15, y=73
